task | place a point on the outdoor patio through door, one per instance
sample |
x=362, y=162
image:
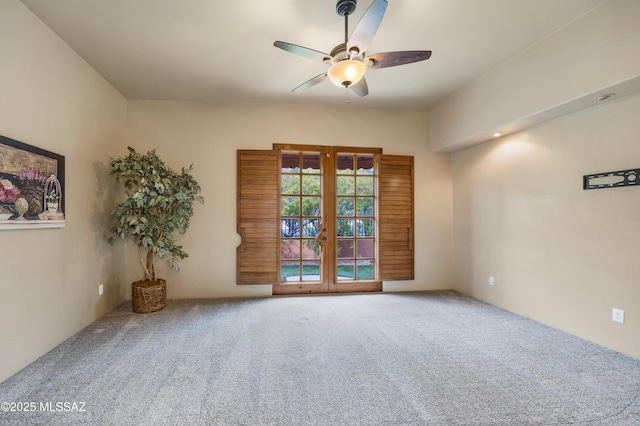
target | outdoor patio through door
x=327, y=216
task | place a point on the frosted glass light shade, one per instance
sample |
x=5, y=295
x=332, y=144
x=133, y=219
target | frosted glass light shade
x=346, y=73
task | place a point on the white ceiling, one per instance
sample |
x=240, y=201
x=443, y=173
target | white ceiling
x=222, y=51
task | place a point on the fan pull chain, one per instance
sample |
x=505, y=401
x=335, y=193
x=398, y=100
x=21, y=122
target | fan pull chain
x=348, y=100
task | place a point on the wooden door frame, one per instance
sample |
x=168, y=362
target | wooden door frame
x=329, y=261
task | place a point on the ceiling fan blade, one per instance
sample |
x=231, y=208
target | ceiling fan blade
x=367, y=27
x=310, y=83
x=302, y=51
x=360, y=88
x=392, y=59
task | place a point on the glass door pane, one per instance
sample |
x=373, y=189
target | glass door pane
x=301, y=217
x=356, y=206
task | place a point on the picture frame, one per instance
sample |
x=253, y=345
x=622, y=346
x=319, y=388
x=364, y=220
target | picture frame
x=32, y=186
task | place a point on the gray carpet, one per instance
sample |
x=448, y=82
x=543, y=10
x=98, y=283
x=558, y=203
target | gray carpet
x=433, y=358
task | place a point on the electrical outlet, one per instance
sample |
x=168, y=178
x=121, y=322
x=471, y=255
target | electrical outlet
x=618, y=315
x=100, y=289
x=492, y=281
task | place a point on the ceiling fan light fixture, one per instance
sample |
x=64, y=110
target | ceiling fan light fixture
x=347, y=72
x=347, y=61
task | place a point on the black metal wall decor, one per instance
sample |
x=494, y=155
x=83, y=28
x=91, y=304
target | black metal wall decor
x=629, y=177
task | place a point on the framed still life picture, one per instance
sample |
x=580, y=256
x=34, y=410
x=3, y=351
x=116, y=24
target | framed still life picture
x=31, y=186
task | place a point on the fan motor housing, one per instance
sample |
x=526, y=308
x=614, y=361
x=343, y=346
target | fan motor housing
x=339, y=52
x=346, y=7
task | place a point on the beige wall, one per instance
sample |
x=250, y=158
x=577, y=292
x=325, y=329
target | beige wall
x=560, y=255
x=208, y=136
x=52, y=99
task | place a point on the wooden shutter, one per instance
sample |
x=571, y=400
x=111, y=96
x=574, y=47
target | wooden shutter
x=257, y=216
x=396, y=217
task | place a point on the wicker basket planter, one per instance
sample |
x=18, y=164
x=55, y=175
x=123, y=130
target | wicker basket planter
x=149, y=296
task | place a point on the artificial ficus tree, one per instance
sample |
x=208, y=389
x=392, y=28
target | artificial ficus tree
x=159, y=202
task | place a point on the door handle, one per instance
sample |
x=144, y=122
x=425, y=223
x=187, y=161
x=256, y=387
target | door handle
x=321, y=238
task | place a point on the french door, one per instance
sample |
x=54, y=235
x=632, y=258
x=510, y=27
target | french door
x=324, y=219
x=327, y=212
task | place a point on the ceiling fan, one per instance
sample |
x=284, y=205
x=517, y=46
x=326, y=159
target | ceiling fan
x=348, y=61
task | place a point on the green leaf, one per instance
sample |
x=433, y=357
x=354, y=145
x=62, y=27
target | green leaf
x=160, y=202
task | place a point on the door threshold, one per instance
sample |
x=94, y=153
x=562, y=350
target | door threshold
x=341, y=287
